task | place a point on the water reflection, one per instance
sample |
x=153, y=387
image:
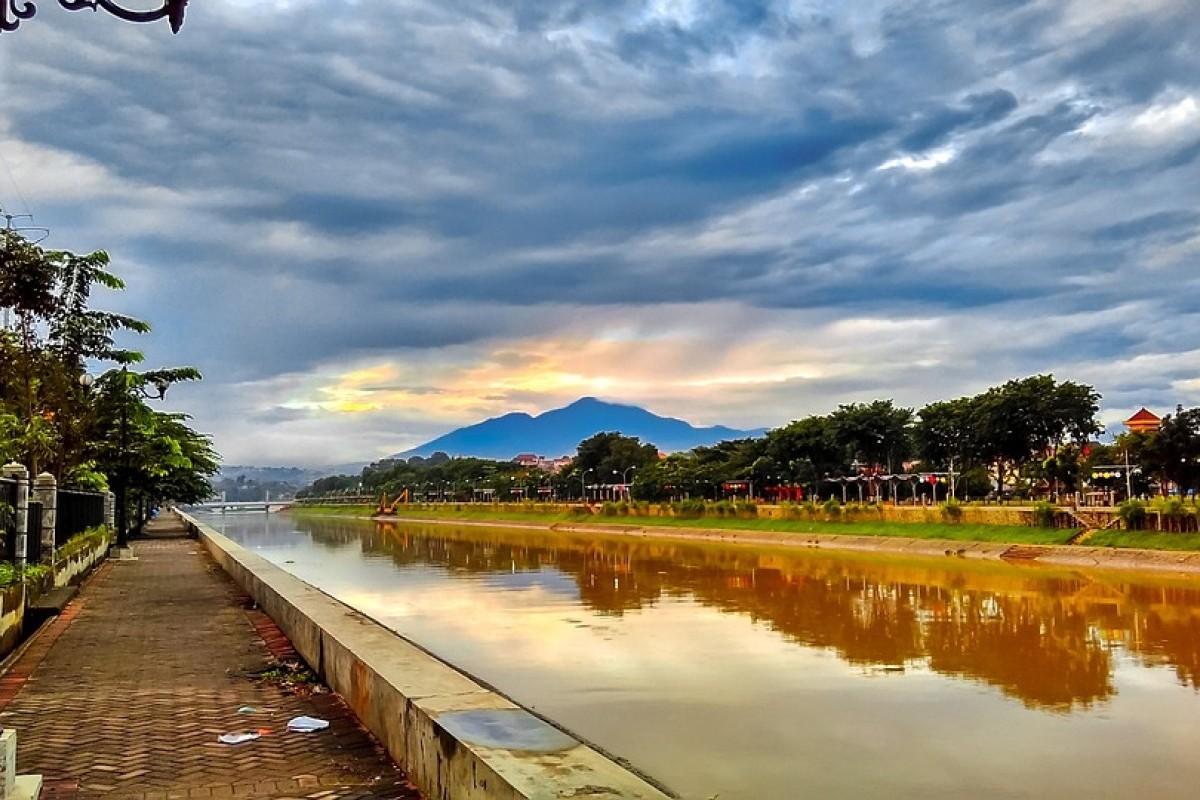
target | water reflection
x=758, y=674
x=1045, y=638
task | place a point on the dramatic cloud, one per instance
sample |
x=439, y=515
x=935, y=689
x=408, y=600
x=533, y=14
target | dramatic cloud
x=370, y=223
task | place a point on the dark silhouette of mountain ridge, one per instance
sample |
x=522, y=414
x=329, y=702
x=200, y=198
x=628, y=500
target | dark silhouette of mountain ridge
x=559, y=431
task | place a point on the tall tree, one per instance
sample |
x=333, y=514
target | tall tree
x=944, y=433
x=1027, y=420
x=612, y=455
x=1173, y=452
x=807, y=450
x=875, y=433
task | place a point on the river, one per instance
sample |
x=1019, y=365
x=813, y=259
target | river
x=753, y=674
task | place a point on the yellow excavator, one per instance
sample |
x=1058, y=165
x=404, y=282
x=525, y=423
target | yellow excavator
x=386, y=508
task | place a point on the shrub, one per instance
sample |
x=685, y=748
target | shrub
x=790, y=510
x=832, y=509
x=952, y=511
x=1175, y=515
x=723, y=508
x=1132, y=514
x=88, y=539
x=688, y=509
x=609, y=509
x=747, y=509
x=1044, y=514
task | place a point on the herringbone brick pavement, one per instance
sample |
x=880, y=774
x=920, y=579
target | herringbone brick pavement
x=125, y=694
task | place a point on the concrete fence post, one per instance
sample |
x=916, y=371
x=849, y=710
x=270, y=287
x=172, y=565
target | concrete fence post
x=45, y=491
x=18, y=473
x=110, y=510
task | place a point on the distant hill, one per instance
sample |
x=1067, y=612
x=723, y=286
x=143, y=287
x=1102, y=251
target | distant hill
x=557, y=432
x=297, y=476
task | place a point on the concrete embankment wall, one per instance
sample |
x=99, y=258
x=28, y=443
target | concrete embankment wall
x=457, y=739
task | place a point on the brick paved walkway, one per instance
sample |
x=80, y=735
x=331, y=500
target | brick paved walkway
x=125, y=694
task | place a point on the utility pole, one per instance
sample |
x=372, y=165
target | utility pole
x=9, y=229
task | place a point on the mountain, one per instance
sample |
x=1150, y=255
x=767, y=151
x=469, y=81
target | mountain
x=559, y=431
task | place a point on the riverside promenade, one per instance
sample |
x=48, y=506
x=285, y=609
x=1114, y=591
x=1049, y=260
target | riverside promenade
x=125, y=694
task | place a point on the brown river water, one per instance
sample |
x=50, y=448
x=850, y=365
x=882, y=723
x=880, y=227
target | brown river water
x=746, y=673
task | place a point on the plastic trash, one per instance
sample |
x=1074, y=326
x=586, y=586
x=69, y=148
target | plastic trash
x=247, y=710
x=236, y=738
x=307, y=724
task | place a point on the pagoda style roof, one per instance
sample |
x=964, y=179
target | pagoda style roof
x=1143, y=420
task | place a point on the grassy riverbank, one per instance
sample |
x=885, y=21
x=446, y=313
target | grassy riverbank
x=959, y=532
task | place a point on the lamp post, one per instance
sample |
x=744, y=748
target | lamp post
x=625, y=481
x=583, y=484
x=12, y=12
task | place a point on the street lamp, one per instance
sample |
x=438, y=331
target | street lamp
x=12, y=12
x=583, y=484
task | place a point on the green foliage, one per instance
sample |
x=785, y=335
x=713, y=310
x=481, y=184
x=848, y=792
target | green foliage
x=82, y=542
x=873, y=433
x=832, y=509
x=1175, y=515
x=1044, y=514
x=33, y=573
x=952, y=511
x=1132, y=514
x=688, y=509
x=49, y=421
x=1171, y=507
x=1173, y=453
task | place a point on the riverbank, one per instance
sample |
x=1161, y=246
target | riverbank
x=1012, y=544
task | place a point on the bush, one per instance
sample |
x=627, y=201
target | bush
x=832, y=509
x=1132, y=514
x=790, y=510
x=723, y=508
x=609, y=509
x=88, y=539
x=952, y=511
x=1176, y=516
x=688, y=509
x=745, y=510
x=1044, y=514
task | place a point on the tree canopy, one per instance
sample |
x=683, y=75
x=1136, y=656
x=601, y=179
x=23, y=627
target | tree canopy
x=52, y=420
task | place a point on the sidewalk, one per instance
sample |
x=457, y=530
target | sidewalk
x=125, y=694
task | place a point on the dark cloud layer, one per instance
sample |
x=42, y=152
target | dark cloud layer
x=321, y=180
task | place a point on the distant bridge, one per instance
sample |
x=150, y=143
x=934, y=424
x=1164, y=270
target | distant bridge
x=225, y=506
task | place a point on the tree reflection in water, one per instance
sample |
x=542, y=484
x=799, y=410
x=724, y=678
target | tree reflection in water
x=1044, y=637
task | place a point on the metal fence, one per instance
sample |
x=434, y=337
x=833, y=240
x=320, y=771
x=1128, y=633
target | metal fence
x=33, y=542
x=77, y=511
x=8, y=517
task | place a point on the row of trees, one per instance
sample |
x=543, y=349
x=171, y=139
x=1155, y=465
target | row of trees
x=1025, y=437
x=90, y=432
x=1030, y=436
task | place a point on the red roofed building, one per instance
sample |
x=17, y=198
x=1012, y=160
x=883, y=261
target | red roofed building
x=1143, y=422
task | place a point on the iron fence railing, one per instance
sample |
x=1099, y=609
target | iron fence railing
x=77, y=511
x=8, y=517
x=33, y=541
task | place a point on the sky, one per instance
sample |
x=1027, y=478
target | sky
x=370, y=223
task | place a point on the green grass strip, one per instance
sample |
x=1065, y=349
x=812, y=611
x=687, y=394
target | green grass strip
x=911, y=530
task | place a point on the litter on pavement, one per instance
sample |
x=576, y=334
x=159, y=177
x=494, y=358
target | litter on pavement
x=236, y=738
x=307, y=724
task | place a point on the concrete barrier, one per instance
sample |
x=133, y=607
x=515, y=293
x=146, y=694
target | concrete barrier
x=457, y=739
